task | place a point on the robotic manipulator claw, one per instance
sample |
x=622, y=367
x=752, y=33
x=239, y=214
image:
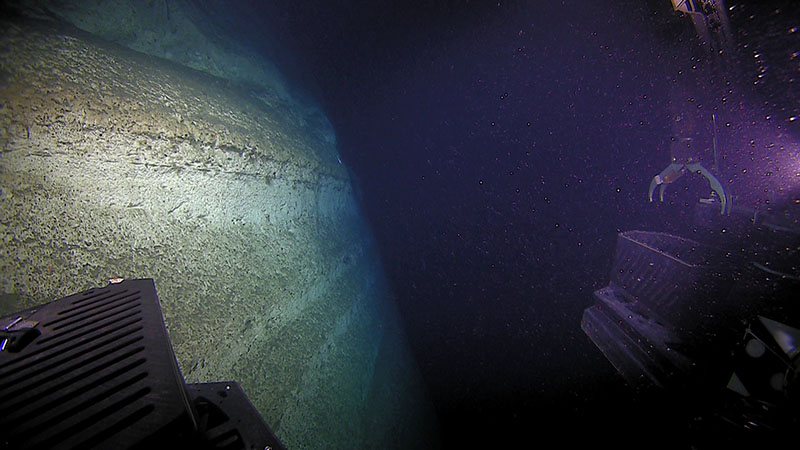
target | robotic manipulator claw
x=675, y=170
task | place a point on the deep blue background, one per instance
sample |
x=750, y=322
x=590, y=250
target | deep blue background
x=500, y=147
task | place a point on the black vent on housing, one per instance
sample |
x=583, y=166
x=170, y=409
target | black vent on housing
x=227, y=420
x=100, y=372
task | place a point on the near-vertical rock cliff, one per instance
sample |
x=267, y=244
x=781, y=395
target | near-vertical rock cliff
x=114, y=163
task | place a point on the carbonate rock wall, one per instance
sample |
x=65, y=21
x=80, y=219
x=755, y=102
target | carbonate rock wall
x=187, y=32
x=118, y=164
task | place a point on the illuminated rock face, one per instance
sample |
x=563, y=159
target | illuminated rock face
x=116, y=164
x=188, y=32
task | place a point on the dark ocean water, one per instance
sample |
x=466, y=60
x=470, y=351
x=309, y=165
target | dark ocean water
x=500, y=147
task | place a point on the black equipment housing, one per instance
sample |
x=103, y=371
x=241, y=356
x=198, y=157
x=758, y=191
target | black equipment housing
x=97, y=370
